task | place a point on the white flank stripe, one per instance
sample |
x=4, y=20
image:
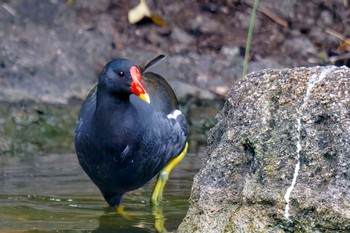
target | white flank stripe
x=174, y=114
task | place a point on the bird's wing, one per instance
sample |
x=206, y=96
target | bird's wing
x=179, y=130
x=165, y=102
x=174, y=136
x=161, y=94
x=88, y=108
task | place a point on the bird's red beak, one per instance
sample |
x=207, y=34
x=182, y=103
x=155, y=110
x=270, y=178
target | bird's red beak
x=136, y=85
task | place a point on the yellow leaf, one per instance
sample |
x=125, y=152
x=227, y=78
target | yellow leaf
x=157, y=20
x=345, y=46
x=137, y=13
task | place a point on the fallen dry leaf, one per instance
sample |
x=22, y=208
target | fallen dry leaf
x=139, y=12
x=142, y=11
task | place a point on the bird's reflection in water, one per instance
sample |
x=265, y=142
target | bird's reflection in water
x=134, y=222
x=159, y=219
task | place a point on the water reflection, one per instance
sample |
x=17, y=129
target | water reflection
x=52, y=194
x=113, y=222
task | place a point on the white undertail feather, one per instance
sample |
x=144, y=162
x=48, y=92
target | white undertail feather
x=174, y=114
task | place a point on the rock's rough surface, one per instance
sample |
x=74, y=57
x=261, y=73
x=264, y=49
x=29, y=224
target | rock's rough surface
x=282, y=141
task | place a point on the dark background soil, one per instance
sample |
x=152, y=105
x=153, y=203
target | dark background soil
x=53, y=50
x=206, y=27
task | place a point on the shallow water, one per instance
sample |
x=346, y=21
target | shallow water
x=52, y=194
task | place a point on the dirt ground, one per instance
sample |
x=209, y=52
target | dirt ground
x=291, y=33
x=204, y=40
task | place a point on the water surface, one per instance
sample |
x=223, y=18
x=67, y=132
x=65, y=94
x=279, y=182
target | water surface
x=52, y=194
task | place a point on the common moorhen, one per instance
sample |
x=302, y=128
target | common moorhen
x=130, y=130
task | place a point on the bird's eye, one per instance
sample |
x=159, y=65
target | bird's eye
x=121, y=74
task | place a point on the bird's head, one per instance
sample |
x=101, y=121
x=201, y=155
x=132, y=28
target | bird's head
x=121, y=77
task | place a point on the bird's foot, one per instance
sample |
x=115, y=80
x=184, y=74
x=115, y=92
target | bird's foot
x=120, y=210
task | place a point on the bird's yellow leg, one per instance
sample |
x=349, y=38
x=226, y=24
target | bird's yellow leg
x=120, y=210
x=163, y=176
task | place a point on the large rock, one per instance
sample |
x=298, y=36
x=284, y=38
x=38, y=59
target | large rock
x=278, y=159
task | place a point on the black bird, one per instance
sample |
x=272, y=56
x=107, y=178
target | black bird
x=130, y=130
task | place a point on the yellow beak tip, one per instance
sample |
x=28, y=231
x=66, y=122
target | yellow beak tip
x=145, y=97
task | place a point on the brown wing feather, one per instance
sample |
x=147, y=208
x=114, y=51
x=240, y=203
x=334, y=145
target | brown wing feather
x=161, y=94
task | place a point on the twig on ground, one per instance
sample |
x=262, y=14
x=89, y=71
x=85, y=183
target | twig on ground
x=273, y=16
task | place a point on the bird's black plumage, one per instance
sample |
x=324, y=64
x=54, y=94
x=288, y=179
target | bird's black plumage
x=121, y=141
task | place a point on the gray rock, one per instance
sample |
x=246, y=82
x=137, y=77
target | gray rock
x=283, y=9
x=205, y=24
x=181, y=36
x=326, y=18
x=278, y=159
x=297, y=45
x=92, y=5
x=183, y=90
x=45, y=55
